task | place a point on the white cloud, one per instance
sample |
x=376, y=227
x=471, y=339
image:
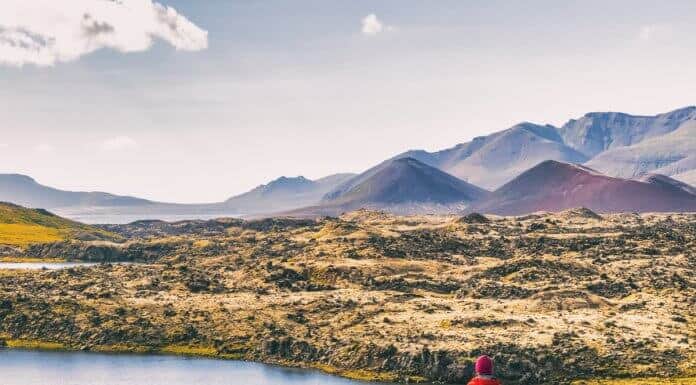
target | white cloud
x=654, y=32
x=44, y=32
x=119, y=143
x=372, y=25
x=43, y=147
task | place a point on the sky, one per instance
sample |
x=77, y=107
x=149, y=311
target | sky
x=196, y=101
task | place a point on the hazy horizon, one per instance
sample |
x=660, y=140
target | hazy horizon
x=215, y=98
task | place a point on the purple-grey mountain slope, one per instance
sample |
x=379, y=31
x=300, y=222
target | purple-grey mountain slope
x=402, y=186
x=285, y=194
x=557, y=186
x=672, y=154
x=490, y=161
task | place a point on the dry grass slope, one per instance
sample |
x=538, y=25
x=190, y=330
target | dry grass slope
x=22, y=227
x=22, y=235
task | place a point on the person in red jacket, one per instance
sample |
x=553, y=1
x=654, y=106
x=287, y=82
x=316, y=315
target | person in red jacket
x=484, y=372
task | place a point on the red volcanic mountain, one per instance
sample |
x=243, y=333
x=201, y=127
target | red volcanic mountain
x=556, y=186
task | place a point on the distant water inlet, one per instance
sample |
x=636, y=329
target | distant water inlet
x=44, y=265
x=18, y=367
x=120, y=219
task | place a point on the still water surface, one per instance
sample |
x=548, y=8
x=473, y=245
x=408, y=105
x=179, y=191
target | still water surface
x=19, y=367
x=47, y=266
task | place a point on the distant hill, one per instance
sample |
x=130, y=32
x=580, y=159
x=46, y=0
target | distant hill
x=285, y=194
x=281, y=194
x=403, y=185
x=616, y=143
x=20, y=226
x=668, y=182
x=25, y=191
x=556, y=186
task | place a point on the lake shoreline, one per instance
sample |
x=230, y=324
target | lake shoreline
x=13, y=259
x=39, y=367
x=360, y=376
x=49, y=264
x=205, y=353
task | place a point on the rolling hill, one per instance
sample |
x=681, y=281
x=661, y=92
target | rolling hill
x=20, y=227
x=556, y=186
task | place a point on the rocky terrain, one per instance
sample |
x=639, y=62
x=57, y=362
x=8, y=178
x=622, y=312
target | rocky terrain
x=554, y=298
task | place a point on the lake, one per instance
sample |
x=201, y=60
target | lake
x=20, y=367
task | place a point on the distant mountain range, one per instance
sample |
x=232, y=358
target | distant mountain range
x=672, y=154
x=281, y=194
x=25, y=191
x=618, y=144
x=606, y=161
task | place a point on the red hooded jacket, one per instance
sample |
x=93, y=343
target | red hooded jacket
x=484, y=381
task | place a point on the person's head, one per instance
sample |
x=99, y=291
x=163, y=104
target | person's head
x=484, y=366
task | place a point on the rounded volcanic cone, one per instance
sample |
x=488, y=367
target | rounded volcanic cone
x=405, y=180
x=556, y=186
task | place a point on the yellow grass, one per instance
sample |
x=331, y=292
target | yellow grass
x=14, y=272
x=17, y=234
x=121, y=348
x=186, y=350
x=30, y=260
x=201, y=243
x=368, y=375
x=33, y=344
x=21, y=227
x=362, y=375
